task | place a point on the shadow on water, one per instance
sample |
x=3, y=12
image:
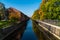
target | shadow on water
x=29, y=33
x=17, y=34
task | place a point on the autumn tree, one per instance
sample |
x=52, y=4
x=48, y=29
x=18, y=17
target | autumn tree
x=49, y=9
x=36, y=15
x=14, y=14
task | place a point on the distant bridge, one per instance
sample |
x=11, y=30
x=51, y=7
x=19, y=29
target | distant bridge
x=52, y=32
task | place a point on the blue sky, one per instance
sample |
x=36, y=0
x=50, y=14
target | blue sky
x=26, y=6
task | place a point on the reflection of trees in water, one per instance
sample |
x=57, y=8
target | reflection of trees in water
x=18, y=33
x=24, y=28
x=39, y=34
x=21, y=30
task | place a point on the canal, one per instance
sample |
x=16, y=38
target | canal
x=29, y=33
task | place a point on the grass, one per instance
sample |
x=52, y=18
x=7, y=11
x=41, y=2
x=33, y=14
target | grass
x=5, y=24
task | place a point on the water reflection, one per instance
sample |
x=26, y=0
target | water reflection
x=29, y=33
x=39, y=34
x=18, y=33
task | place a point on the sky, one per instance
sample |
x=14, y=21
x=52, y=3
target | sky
x=26, y=6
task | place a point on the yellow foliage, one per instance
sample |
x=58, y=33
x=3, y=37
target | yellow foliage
x=13, y=13
x=41, y=15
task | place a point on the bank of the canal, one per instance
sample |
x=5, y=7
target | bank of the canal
x=29, y=33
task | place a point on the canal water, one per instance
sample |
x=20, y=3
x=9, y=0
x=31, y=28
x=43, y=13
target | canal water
x=29, y=33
